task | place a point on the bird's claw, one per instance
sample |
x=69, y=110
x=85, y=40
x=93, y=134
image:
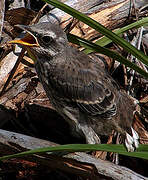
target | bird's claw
x=131, y=142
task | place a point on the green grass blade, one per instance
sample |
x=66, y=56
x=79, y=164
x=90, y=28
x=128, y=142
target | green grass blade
x=100, y=28
x=105, y=41
x=142, y=151
x=89, y=45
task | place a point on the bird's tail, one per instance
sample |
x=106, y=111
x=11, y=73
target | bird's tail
x=127, y=111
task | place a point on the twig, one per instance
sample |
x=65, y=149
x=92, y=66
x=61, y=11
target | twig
x=13, y=71
x=136, y=42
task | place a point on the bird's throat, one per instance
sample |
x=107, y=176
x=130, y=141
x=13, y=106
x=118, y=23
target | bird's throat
x=31, y=54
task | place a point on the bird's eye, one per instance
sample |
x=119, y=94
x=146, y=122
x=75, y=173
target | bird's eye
x=47, y=39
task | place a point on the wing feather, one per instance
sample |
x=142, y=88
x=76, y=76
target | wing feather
x=86, y=85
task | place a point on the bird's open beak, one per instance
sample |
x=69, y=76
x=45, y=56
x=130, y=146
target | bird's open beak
x=29, y=40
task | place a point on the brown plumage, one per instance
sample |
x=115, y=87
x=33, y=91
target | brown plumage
x=79, y=89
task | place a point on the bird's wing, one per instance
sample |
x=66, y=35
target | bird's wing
x=85, y=84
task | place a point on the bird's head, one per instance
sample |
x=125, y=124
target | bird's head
x=45, y=39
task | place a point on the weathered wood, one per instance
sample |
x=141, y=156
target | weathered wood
x=78, y=163
x=25, y=89
x=2, y=11
x=111, y=14
x=17, y=16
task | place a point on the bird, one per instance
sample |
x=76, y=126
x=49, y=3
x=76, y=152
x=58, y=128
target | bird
x=79, y=89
